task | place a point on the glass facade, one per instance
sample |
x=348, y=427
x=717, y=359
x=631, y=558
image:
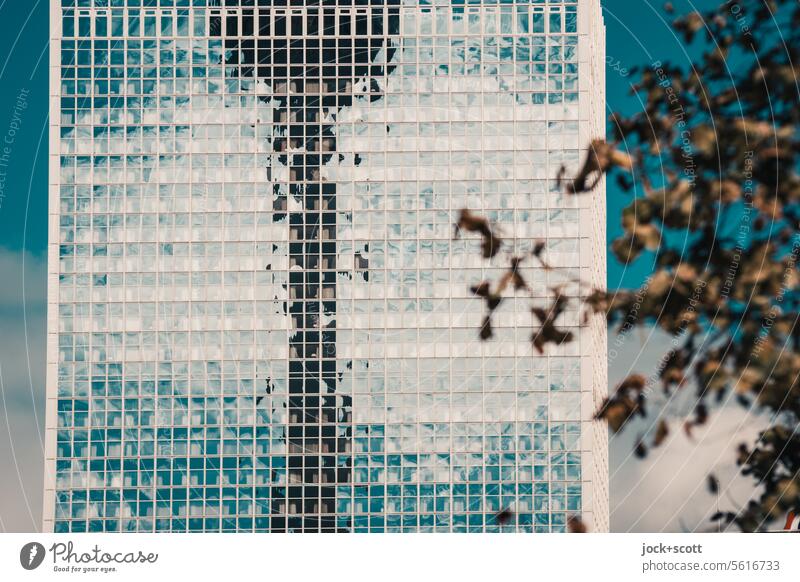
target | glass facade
x=259, y=319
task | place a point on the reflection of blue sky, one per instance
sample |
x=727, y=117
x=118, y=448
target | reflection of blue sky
x=635, y=34
x=372, y=127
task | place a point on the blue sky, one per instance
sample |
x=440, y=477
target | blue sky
x=636, y=34
x=23, y=49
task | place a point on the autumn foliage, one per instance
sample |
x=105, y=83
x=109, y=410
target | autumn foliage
x=711, y=167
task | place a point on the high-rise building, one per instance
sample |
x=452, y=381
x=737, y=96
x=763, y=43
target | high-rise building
x=258, y=316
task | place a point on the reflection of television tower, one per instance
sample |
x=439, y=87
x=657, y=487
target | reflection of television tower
x=312, y=54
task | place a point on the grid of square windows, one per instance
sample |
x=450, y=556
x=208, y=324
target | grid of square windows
x=263, y=322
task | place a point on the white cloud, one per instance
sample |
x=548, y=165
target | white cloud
x=22, y=271
x=22, y=379
x=667, y=491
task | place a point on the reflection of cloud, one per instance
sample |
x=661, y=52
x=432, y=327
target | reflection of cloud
x=667, y=491
x=22, y=357
x=656, y=494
